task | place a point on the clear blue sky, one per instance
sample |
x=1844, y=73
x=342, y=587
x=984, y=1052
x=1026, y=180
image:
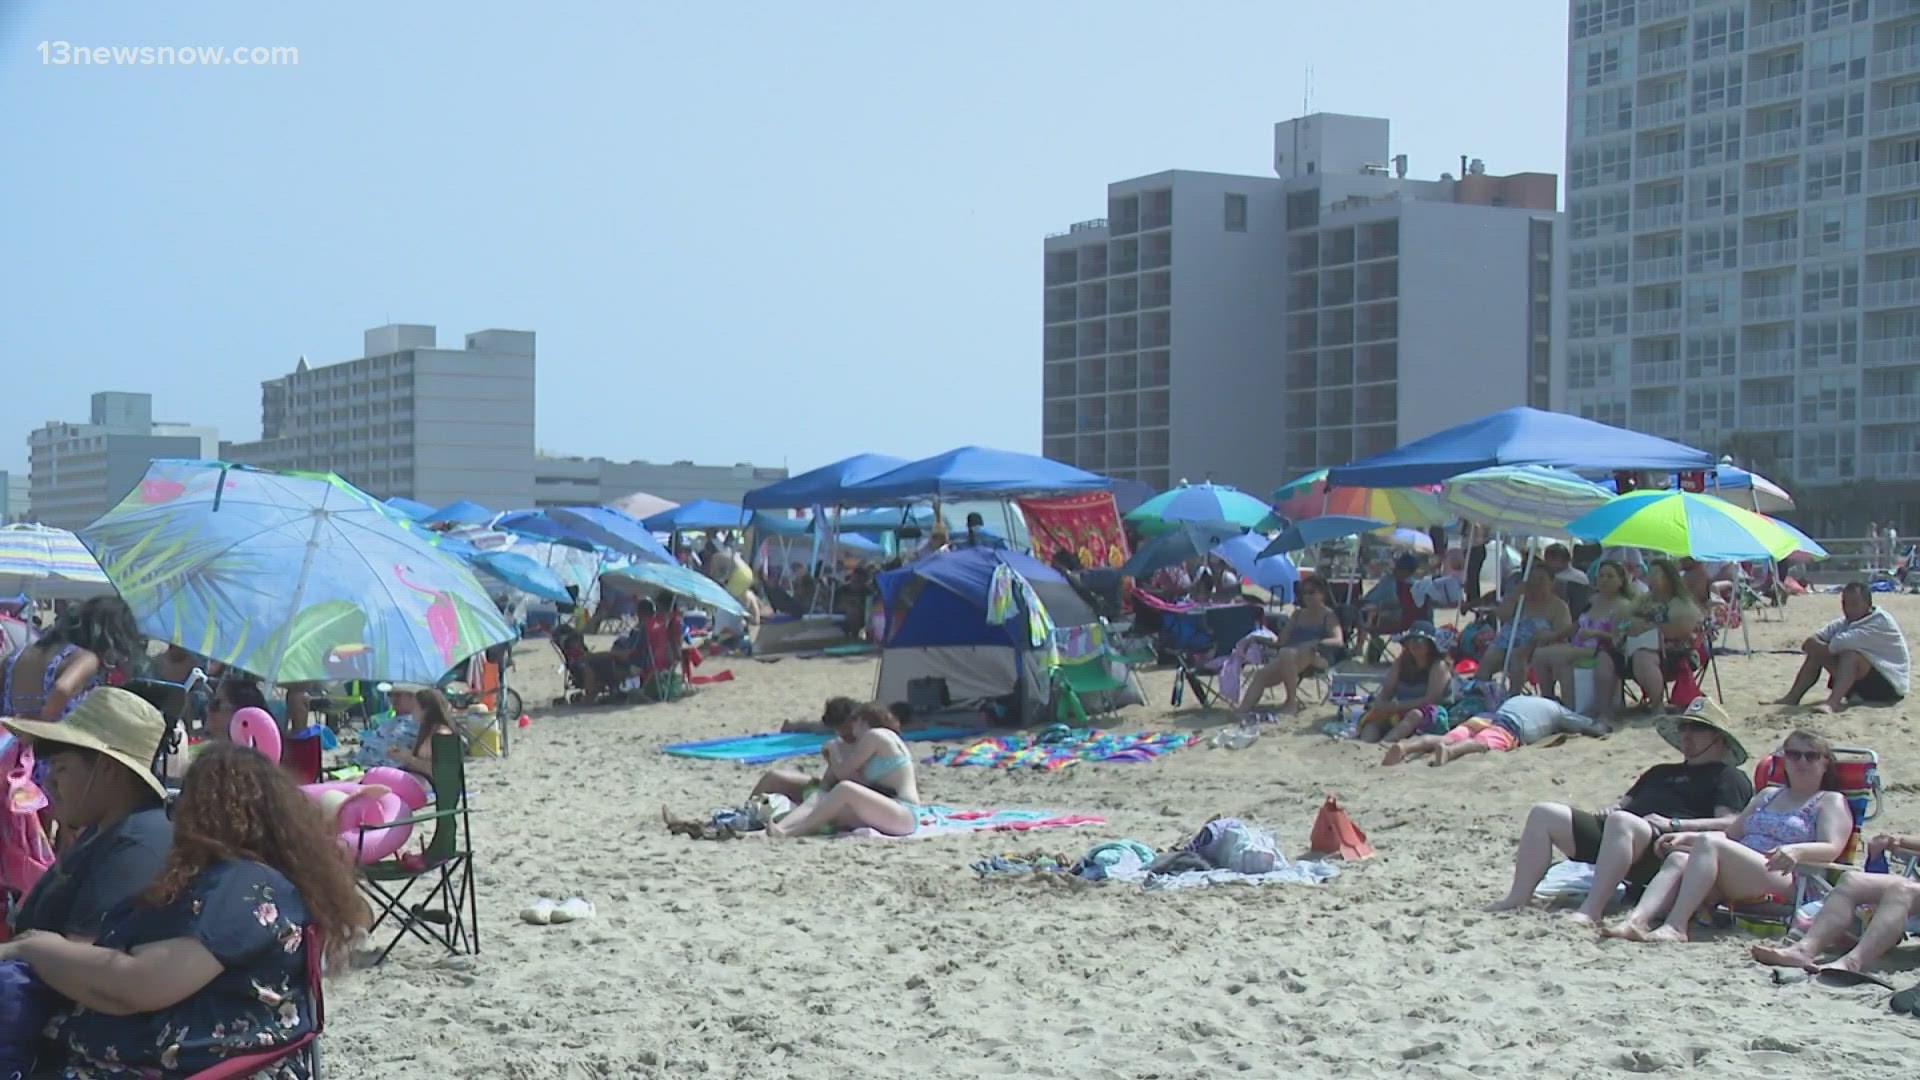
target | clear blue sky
x=756, y=231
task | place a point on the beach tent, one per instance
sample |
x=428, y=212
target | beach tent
x=640, y=506
x=697, y=516
x=412, y=508
x=977, y=472
x=937, y=628
x=460, y=513
x=1519, y=436
x=822, y=486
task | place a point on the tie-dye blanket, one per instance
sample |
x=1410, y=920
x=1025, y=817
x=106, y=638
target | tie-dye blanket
x=1059, y=747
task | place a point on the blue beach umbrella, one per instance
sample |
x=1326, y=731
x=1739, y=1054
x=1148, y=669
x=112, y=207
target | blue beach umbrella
x=522, y=573
x=1186, y=542
x=1275, y=573
x=677, y=580
x=1305, y=534
x=1200, y=504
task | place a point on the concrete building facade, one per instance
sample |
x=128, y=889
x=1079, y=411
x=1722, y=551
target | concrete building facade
x=578, y=481
x=76, y=472
x=1249, y=329
x=409, y=418
x=1743, y=197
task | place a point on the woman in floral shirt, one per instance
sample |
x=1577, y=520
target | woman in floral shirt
x=209, y=962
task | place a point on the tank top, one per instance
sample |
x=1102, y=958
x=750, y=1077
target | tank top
x=1768, y=829
x=26, y=706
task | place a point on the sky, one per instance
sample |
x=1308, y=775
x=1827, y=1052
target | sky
x=770, y=232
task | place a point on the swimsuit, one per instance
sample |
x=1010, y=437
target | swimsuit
x=1520, y=633
x=1768, y=829
x=12, y=706
x=1593, y=632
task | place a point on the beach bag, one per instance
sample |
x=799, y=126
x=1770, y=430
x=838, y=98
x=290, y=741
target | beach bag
x=25, y=851
x=928, y=694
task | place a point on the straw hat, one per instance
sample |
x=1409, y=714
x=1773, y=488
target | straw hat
x=1707, y=713
x=110, y=721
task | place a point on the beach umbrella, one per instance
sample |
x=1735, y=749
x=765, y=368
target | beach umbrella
x=1200, y=504
x=675, y=579
x=640, y=506
x=1412, y=507
x=46, y=563
x=412, y=508
x=1313, y=483
x=523, y=573
x=610, y=529
x=1411, y=539
x=1808, y=548
x=1683, y=523
x=1525, y=499
x=1273, y=572
x=1305, y=534
x=1184, y=543
x=462, y=512
x=295, y=577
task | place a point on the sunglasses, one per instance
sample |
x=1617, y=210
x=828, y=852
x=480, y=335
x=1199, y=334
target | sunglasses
x=1803, y=755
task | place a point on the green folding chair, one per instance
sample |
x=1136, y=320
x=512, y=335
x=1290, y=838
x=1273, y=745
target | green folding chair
x=448, y=915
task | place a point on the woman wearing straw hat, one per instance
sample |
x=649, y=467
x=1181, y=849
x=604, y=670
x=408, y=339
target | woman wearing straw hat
x=106, y=799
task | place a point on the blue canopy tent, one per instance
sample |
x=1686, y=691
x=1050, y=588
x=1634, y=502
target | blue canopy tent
x=823, y=486
x=414, y=509
x=1519, y=436
x=937, y=628
x=697, y=516
x=460, y=513
x=977, y=472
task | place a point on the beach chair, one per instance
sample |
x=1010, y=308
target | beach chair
x=661, y=665
x=1858, y=770
x=1090, y=678
x=448, y=915
x=301, y=1057
x=1199, y=640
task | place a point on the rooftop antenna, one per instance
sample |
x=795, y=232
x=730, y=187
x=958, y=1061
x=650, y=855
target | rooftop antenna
x=1306, y=93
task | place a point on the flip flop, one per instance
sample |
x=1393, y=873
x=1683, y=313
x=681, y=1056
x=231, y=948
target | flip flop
x=1835, y=976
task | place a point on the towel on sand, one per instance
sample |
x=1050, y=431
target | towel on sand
x=1059, y=747
x=946, y=821
x=781, y=745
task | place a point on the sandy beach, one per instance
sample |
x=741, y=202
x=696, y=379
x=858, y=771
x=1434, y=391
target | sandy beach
x=866, y=958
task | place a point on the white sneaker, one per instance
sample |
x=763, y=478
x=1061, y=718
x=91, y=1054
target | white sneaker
x=541, y=913
x=573, y=910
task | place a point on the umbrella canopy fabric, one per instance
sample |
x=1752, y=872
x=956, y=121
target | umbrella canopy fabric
x=541, y=525
x=1525, y=499
x=1312, y=483
x=824, y=486
x=1305, y=534
x=1185, y=542
x=1682, y=523
x=412, y=508
x=295, y=577
x=1202, y=504
x=1275, y=573
x=678, y=580
x=976, y=471
x=460, y=513
x=1411, y=507
x=1809, y=548
x=1519, y=436
x=640, y=506
x=612, y=530
x=1747, y=490
x=697, y=515
x=48, y=564
x=1128, y=494
x=523, y=573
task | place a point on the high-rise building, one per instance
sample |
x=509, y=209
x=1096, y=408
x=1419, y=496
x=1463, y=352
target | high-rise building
x=577, y=481
x=408, y=418
x=1249, y=329
x=76, y=472
x=13, y=498
x=1743, y=199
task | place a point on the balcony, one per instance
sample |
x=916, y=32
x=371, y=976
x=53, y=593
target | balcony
x=1149, y=300
x=1670, y=111
x=1660, y=374
x=1895, y=121
x=1650, y=270
x=1776, y=32
x=1659, y=165
x=1893, y=9
x=1891, y=352
x=1766, y=309
x=1668, y=216
x=1657, y=322
x=1893, y=235
x=1903, y=61
x=1777, y=88
x=1758, y=363
x=1773, y=144
x=1767, y=417
x=1664, y=423
x=1767, y=199
x=1890, y=465
x=1890, y=408
x=1663, y=60
x=1770, y=252
x=1653, y=12
x=1891, y=178
x=1900, y=293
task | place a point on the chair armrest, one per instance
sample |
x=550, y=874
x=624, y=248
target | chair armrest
x=417, y=819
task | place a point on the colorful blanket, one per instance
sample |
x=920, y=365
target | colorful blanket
x=781, y=745
x=1058, y=747
x=946, y=821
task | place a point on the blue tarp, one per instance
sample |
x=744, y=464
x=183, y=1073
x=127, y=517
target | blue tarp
x=460, y=513
x=952, y=608
x=823, y=486
x=613, y=530
x=700, y=514
x=1519, y=436
x=975, y=471
x=418, y=511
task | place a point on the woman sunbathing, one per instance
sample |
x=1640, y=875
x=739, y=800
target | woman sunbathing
x=1313, y=639
x=797, y=784
x=1804, y=821
x=1611, y=603
x=876, y=786
x=1410, y=698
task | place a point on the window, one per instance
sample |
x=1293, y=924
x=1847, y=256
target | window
x=1717, y=87
x=1833, y=174
x=1829, y=286
x=1827, y=399
x=1710, y=355
x=1835, y=117
x=1715, y=141
x=1719, y=34
x=1834, y=229
x=1606, y=412
x=1595, y=316
x=1236, y=213
x=1837, y=58
x=1714, y=194
x=1712, y=299
x=1828, y=342
x=1599, y=62
x=1598, y=112
x=1601, y=163
x=1592, y=17
x=1615, y=213
x=1602, y=264
x=1710, y=406
x=1829, y=13
x=1589, y=366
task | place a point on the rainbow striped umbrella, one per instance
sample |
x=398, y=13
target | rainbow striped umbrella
x=1683, y=523
x=48, y=564
x=1410, y=507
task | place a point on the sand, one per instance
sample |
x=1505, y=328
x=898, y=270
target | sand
x=856, y=959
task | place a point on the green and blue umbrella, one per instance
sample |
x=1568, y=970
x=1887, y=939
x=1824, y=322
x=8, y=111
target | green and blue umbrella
x=1201, y=504
x=1183, y=543
x=1683, y=523
x=295, y=577
x=675, y=579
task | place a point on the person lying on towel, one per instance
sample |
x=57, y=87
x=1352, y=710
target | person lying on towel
x=1522, y=720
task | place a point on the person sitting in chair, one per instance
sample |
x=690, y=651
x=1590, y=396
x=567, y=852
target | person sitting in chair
x=1863, y=653
x=1390, y=607
x=1894, y=898
x=1410, y=698
x=1312, y=639
x=1530, y=618
x=1654, y=642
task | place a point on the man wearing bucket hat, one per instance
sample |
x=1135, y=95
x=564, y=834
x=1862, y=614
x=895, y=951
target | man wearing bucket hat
x=100, y=783
x=1703, y=791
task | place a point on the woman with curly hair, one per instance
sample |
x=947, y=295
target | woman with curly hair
x=208, y=963
x=46, y=679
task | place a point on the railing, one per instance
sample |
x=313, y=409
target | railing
x=1651, y=168
x=1060, y=314
x=1658, y=11
x=1890, y=465
x=1771, y=251
x=1155, y=300
x=1767, y=416
x=1766, y=308
x=1654, y=322
x=1658, y=217
x=1670, y=111
x=1660, y=61
x=1775, y=32
x=1890, y=408
x=1777, y=197
x=1891, y=352
x=1895, y=120
x=1896, y=61
x=1657, y=423
x=1893, y=293
x=1772, y=143
x=1894, y=234
x=1666, y=371
x=1762, y=362
x=1079, y=226
x=1893, y=178
x=1656, y=269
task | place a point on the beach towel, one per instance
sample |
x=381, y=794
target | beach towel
x=946, y=821
x=1059, y=746
x=781, y=745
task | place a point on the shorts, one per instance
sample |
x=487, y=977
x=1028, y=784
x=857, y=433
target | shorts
x=1332, y=654
x=1587, y=830
x=1433, y=718
x=1495, y=738
x=1872, y=688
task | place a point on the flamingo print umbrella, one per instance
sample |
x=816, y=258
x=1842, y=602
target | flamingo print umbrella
x=294, y=577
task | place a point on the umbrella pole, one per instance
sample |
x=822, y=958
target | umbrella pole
x=1519, y=612
x=299, y=593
